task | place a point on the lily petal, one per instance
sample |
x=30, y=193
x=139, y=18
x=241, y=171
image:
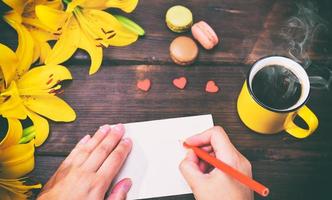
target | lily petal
x=16, y=189
x=42, y=127
x=17, y=161
x=57, y=4
x=44, y=77
x=14, y=133
x=25, y=47
x=12, y=107
x=36, y=24
x=51, y=107
x=17, y=5
x=119, y=36
x=8, y=63
x=95, y=52
x=42, y=48
x=45, y=50
x=51, y=17
x=125, y=5
x=74, y=4
x=67, y=44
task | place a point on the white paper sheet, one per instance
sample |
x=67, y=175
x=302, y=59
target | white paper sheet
x=153, y=164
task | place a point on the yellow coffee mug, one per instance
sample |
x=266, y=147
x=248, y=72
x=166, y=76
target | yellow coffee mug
x=267, y=120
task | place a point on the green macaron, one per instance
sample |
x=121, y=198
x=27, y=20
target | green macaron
x=179, y=18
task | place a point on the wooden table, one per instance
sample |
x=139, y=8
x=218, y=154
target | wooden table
x=292, y=168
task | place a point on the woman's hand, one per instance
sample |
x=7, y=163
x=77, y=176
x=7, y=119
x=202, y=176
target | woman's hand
x=211, y=184
x=89, y=169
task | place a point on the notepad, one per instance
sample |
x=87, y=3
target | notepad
x=153, y=164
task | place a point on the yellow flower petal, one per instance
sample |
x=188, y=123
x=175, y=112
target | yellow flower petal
x=65, y=47
x=16, y=189
x=13, y=135
x=51, y=17
x=25, y=47
x=120, y=36
x=13, y=16
x=96, y=53
x=17, y=160
x=45, y=50
x=42, y=127
x=42, y=48
x=57, y=4
x=51, y=107
x=36, y=51
x=44, y=77
x=36, y=24
x=17, y=5
x=8, y=63
x=74, y=4
x=125, y=5
x=12, y=107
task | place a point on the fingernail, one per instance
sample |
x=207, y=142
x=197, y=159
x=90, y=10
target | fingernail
x=119, y=128
x=126, y=140
x=85, y=139
x=105, y=128
x=127, y=185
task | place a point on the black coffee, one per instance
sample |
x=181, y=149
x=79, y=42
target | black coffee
x=276, y=87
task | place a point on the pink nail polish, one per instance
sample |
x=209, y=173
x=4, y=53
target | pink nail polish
x=119, y=128
x=105, y=128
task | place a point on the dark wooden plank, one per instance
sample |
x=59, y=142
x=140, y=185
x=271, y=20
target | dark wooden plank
x=296, y=180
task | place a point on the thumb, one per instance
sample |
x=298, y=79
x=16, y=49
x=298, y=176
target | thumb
x=189, y=168
x=120, y=190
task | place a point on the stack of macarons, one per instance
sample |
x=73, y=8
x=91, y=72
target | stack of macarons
x=183, y=49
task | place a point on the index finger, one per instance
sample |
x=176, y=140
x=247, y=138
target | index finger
x=217, y=138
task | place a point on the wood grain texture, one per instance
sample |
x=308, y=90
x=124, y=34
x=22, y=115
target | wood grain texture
x=293, y=169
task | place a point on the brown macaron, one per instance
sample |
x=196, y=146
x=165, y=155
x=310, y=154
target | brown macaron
x=183, y=50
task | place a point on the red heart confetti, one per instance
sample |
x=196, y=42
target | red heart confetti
x=180, y=82
x=144, y=85
x=211, y=87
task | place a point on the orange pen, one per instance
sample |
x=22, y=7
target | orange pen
x=249, y=182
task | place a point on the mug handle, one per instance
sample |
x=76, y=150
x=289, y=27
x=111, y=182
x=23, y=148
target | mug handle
x=309, y=117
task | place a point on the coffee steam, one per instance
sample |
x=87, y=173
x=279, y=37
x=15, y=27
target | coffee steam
x=300, y=31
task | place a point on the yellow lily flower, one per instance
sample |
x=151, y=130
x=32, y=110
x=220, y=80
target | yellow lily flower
x=11, y=129
x=16, y=189
x=16, y=160
x=23, y=17
x=84, y=25
x=31, y=93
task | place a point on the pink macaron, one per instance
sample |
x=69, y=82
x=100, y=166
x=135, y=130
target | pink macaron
x=204, y=34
